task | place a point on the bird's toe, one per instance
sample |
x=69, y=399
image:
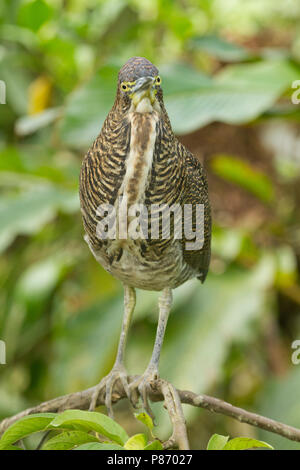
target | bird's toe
x=141, y=385
x=107, y=383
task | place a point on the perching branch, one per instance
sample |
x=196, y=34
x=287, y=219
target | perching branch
x=174, y=408
x=162, y=390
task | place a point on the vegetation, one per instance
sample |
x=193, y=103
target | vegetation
x=89, y=430
x=227, y=69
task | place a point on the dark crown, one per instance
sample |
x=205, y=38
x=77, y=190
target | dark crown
x=135, y=68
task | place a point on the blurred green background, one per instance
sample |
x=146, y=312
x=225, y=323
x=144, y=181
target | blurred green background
x=227, y=69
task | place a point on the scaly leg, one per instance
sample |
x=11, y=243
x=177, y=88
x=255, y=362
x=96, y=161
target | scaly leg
x=118, y=371
x=151, y=373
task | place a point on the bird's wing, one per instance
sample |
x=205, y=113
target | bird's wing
x=102, y=172
x=196, y=192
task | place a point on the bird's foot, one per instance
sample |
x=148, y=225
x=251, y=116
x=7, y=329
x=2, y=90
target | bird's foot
x=118, y=372
x=142, y=385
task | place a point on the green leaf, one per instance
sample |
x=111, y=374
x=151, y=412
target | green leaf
x=273, y=402
x=220, y=48
x=237, y=94
x=17, y=78
x=99, y=446
x=31, y=210
x=217, y=442
x=40, y=278
x=155, y=445
x=145, y=419
x=275, y=75
x=29, y=124
x=11, y=160
x=137, y=442
x=11, y=447
x=34, y=14
x=243, y=443
x=91, y=420
x=68, y=439
x=87, y=108
x=79, y=352
x=181, y=78
x=24, y=427
x=243, y=174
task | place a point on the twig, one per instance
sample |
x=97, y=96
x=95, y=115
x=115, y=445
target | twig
x=174, y=407
x=81, y=400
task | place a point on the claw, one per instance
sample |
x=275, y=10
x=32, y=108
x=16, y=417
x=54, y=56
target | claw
x=117, y=373
x=141, y=384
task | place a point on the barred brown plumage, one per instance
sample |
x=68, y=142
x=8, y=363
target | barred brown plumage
x=137, y=158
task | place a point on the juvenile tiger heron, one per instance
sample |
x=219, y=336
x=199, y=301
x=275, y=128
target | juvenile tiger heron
x=137, y=158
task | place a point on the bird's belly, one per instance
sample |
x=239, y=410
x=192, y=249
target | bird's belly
x=167, y=269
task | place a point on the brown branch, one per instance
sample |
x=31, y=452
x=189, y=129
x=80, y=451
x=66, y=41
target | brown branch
x=174, y=407
x=163, y=391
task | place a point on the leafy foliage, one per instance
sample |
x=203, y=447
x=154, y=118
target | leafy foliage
x=77, y=429
x=240, y=173
x=238, y=94
x=218, y=442
x=85, y=430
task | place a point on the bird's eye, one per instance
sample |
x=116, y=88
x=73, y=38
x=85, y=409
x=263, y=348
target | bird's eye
x=124, y=87
x=158, y=80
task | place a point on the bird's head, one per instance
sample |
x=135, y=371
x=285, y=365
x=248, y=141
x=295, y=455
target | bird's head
x=139, y=85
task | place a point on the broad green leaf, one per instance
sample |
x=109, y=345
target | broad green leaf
x=91, y=420
x=243, y=174
x=41, y=278
x=274, y=403
x=220, y=48
x=237, y=94
x=155, y=445
x=217, y=442
x=31, y=210
x=228, y=243
x=11, y=160
x=34, y=14
x=11, y=447
x=145, y=419
x=79, y=351
x=243, y=443
x=22, y=36
x=99, y=446
x=15, y=75
x=87, y=108
x=137, y=442
x=180, y=78
x=25, y=426
x=275, y=75
x=26, y=125
x=68, y=439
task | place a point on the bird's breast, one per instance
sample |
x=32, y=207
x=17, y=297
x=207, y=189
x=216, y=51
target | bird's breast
x=138, y=164
x=139, y=161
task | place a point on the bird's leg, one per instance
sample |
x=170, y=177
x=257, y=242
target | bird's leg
x=118, y=371
x=151, y=373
